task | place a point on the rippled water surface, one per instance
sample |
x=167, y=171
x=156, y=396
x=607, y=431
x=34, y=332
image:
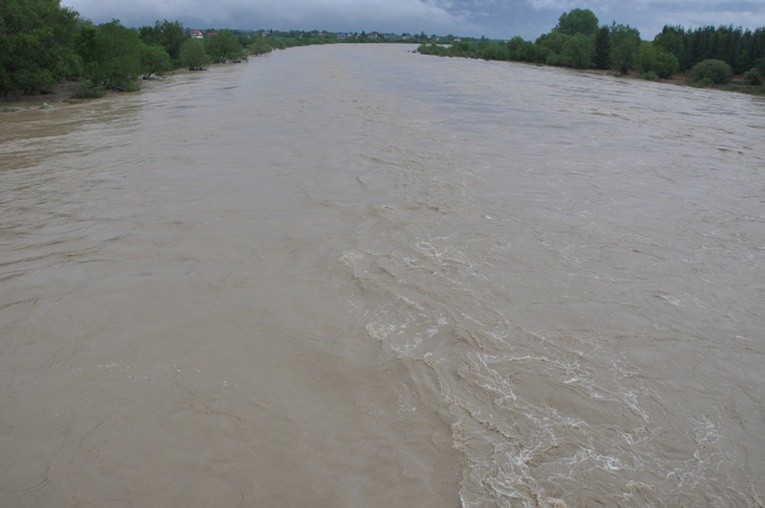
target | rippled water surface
x=357, y=276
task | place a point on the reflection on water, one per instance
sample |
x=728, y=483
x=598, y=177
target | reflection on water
x=352, y=275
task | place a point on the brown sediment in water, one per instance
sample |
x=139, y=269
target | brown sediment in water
x=349, y=275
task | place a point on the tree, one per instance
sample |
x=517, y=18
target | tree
x=36, y=39
x=224, y=47
x=193, y=55
x=622, y=56
x=602, y=56
x=553, y=41
x=578, y=51
x=577, y=21
x=257, y=45
x=651, y=58
x=111, y=55
x=621, y=33
x=154, y=60
x=520, y=49
x=672, y=41
x=168, y=34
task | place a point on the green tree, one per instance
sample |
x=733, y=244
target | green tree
x=577, y=21
x=602, y=57
x=552, y=41
x=578, y=51
x=154, y=60
x=621, y=33
x=36, y=40
x=625, y=40
x=520, y=49
x=111, y=55
x=651, y=58
x=193, y=55
x=168, y=34
x=672, y=41
x=623, y=55
x=224, y=47
x=258, y=45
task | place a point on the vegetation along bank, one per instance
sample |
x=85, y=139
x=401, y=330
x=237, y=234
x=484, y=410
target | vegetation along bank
x=724, y=57
x=44, y=44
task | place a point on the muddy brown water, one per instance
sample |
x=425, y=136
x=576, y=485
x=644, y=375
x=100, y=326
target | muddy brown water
x=357, y=276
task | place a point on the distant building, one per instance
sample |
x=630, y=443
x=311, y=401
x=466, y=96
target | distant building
x=196, y=34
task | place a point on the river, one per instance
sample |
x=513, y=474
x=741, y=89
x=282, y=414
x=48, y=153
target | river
x=352, y=275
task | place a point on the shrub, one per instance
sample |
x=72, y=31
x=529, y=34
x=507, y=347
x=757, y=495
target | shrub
x=711, y=71
x=666, y=64
x=756, y=75
x=88, y=90
x=752, y=77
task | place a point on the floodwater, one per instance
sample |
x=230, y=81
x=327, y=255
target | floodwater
x=357, y=276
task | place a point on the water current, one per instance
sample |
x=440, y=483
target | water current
x=358, y=276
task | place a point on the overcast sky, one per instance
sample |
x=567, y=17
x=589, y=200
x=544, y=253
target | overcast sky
x=492, y=18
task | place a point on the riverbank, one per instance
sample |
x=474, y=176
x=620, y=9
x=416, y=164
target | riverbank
x=737, y=84
x=66, y=94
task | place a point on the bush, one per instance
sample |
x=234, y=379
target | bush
x=87, y=90
x=752, y=77
x=756, y=75
x=711, y=71
x=666, y=64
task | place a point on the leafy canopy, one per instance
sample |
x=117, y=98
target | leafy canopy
x=577, y=21
x=36, y=41
x=193, y=55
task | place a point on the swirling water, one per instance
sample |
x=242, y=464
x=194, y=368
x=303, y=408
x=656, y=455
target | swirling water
x=357, y=276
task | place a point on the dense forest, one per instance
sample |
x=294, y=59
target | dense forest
x=709, y=55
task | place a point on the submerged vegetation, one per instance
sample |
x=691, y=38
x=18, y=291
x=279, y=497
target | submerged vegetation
x=708, y=55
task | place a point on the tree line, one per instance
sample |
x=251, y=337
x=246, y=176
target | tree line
x=44, y=43
x=709, y=54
